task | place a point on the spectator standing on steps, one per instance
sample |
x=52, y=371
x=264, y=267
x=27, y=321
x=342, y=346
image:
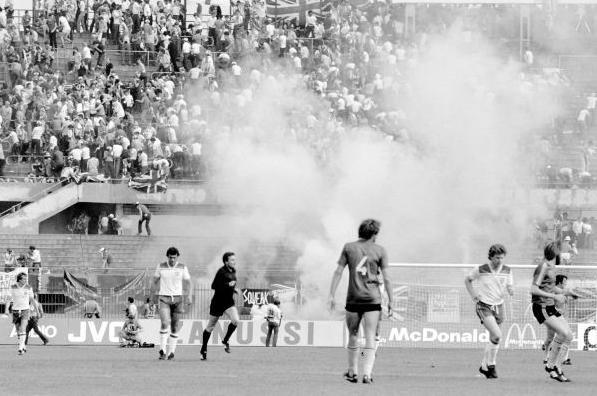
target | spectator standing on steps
x=145, y=217
x=34, y=257
x=106, y=258
x=10, y=260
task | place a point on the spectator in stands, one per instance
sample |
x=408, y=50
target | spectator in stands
x=568, y=250
x=34, y=257
x=10, y=260
x=2, y=161
x=577, y=232
x=145, y=216
x=92, y=166
x=114, y=226
x=91, y=308
x=69, y=174
x=103, y=223
x=57, y=162
x=587, y=233
x=583, y=120
x=106, y=258
x=64, y=29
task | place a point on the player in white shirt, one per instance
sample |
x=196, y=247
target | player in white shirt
x=21, y=298
x=171, y=289
x=493, y=281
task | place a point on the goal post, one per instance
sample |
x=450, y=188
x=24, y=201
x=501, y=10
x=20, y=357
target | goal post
x=434, y=310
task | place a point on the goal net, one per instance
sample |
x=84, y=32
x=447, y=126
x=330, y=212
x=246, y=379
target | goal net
x=433, y=309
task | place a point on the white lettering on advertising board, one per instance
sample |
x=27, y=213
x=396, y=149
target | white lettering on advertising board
x=427, y=334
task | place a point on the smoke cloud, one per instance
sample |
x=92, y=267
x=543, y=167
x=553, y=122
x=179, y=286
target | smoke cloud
x=443, y=195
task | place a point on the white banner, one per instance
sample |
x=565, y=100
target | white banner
x=7, y=279
x=248, y=333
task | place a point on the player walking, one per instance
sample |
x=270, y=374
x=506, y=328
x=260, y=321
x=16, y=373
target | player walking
x=21, y=298
x=171, y=288
x=365, y=259
x=224, y=286
x=545, y=296
x=493, y=279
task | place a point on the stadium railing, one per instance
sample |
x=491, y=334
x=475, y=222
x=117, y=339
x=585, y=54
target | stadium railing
x=70, y=303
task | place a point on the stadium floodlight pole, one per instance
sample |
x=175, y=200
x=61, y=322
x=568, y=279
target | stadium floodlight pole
x=452, y=265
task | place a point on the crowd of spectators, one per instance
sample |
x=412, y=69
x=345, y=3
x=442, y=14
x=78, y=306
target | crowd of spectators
x=572, y=233
x=87, y=120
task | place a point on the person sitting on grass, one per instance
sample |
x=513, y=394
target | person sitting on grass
x=129, y=335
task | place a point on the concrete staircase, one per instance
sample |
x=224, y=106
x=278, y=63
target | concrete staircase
x=25, y=220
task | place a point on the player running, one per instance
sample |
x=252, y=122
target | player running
x=494, y=279
x=21, y=299
x=365, y=259
x=545, y=296
x=224, y=286
x=171, y=288
x=561, y=281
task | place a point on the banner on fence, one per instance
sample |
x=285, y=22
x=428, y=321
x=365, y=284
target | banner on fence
x=255, y=297
x=301, y=333
x=524, y=335
x=7, y=279
x=248, y=333
x=78, y=288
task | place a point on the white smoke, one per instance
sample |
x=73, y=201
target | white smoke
x=444, y=195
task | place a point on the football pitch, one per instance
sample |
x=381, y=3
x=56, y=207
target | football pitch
x=106, y=370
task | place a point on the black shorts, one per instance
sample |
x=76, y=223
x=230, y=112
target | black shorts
x=217, y=308
x=484, y=310
x=174, y=303
x=361, y=308
x=541, y=313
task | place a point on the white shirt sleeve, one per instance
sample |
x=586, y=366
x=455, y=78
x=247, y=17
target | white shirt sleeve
x=474, y=274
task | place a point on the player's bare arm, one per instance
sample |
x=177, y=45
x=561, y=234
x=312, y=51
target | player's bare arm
x=334, y=285
x=468, y=282
x=387, y=282
x=560, y=298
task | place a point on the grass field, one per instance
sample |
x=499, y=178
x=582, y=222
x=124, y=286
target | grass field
x=73, y=371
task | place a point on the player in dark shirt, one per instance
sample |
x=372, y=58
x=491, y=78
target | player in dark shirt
x=365, y=260
x=545, y=295
x=222, y=302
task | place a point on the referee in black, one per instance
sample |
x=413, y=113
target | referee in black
x=224, y=286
